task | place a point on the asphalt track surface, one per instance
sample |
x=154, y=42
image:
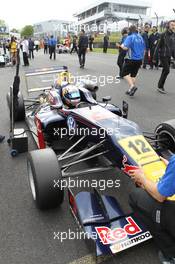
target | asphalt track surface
x=26, y=234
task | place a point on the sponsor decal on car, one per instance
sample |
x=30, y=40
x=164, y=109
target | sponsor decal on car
x=71, y=123
x=126, y=167
x=109, y=236
x=130, y=242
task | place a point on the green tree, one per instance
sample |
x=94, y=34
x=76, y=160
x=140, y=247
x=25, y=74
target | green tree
x=27, y=31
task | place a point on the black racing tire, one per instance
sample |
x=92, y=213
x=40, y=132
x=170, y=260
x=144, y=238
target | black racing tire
x=166, y=131
x=43, y=169
x=19, y=114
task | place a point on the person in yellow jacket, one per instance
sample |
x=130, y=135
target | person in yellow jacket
x=13, y=50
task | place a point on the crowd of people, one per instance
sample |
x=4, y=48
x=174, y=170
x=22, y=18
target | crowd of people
x=139, y=48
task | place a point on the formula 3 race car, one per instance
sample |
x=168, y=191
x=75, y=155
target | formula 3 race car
x=69, y=136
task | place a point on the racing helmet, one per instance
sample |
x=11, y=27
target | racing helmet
x=63, y=79
x=71, y=95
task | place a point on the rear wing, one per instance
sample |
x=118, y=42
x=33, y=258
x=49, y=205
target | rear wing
x=36, y=84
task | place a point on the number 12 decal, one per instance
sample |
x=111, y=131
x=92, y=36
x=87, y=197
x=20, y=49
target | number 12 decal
x=139, y=146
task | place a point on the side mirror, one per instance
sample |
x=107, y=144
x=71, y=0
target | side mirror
x=125, y=109
x=106, y=99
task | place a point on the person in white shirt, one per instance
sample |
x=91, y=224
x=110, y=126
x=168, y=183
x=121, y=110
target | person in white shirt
x=25, y=50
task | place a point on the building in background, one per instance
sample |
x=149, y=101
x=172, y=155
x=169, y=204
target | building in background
x=57, y=28
x=102, y=14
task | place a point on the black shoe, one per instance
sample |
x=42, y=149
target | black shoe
x=165, y=260
x=161, y=90
x=2, y=138
x=133, y=90
x=128, y=92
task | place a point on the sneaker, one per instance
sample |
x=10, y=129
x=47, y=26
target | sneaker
x=161, y=90
x=133, y=90
x=128, y=92
x=2, y=138
x=165, y=260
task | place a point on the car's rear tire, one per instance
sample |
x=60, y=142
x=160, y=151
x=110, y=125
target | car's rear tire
x=19, y=110
x=166, y=131
x=43, y=170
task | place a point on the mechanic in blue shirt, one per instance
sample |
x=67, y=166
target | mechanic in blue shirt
x=135, y=45
x=52, y=46
x=155, y=210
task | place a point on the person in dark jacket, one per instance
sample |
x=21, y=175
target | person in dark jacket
x=46, y=40
x=166, y=49
x=91, y=40
x=82, y=45
x=122, y=53
x=105, y=43
x=52, y=45
x=146, y=40
x=153, y=40
x=74, y=46
x=31, y=48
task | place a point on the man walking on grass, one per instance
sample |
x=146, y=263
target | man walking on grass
x=135, y=46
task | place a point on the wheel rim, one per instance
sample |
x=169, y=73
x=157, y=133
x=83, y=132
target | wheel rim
x=171, y=144
x=31, y=181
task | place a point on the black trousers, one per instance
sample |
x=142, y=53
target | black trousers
x=45, y=49
x=157, y=217
x=165, y=62
x=120, y=62
x=145, y=60
x=31, y=55
x=25, y=59
x=82, y=56
x=90, y=46
x=53, y=51
x=105, y=49
x=156, y=63
x=74, y=48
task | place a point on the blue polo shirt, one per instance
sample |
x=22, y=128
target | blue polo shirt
x=136, y=46
x=166, y=185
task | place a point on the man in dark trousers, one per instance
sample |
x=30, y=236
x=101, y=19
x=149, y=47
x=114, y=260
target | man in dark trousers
x=74, y=45
x=153, y=40
x=146, y=40
x=91, y=40
x=31, y=48
x=166, y=49
x=82, y=45
x=122, y=53
x=154, y=205
x=105, y=43
x=52, y=45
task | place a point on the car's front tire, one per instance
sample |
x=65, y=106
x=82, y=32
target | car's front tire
x=166, y=132
x=43, y=173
